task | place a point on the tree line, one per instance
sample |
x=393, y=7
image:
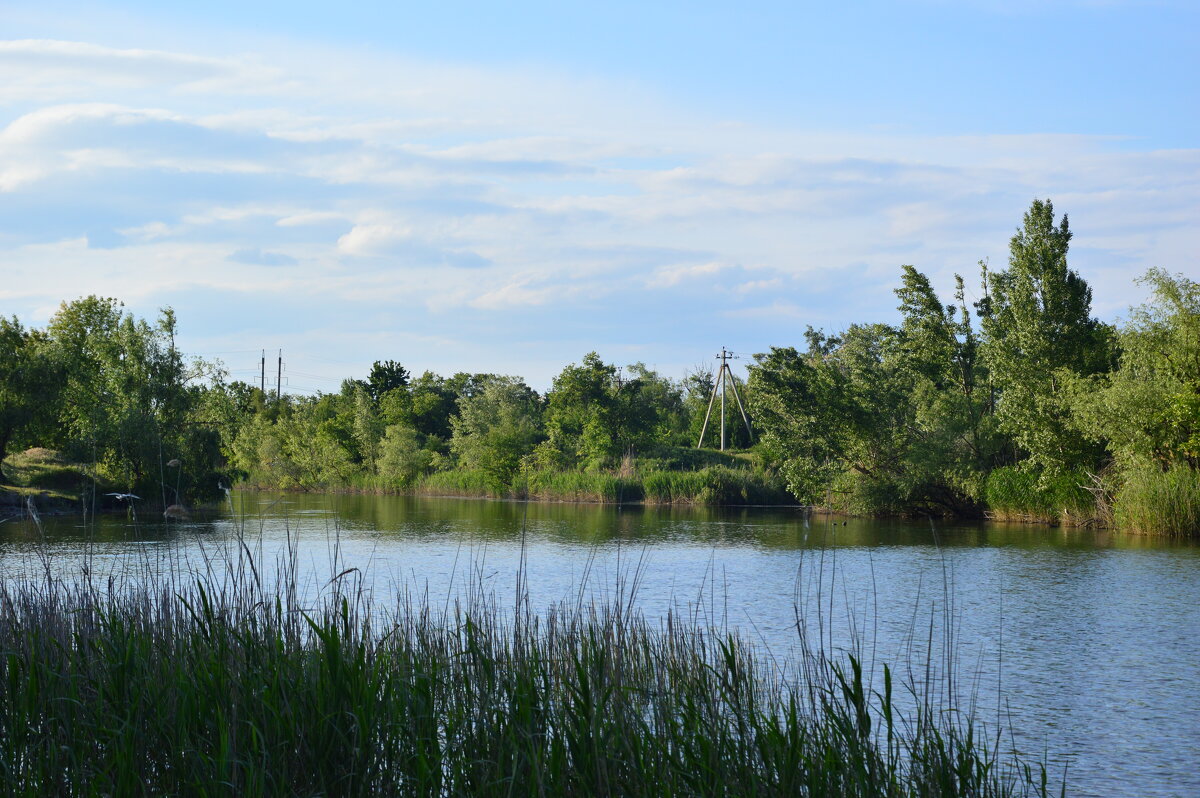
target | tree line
x=1011, y=400
x=391, y=429
x=99, y=387
x=1019, y=404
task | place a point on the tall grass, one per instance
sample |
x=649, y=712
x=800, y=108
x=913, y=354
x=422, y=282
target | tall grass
x=715, y=485
x=457, y=482
x=1154, y=501
x=580, y=486
x=712, y=485
x=1013, y=494
x=225, y=686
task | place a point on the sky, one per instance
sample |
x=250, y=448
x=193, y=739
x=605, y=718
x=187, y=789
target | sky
x=504, y=187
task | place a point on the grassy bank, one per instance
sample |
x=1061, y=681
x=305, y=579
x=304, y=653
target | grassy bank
x=42, y=475
x=714, y=485
x=1013, y=494
x=670, y=475
x=1139, y=498
x=222, y=687
x=711, y=486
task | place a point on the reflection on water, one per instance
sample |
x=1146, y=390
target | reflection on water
x=1090, y=639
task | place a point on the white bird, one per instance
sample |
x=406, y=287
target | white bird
x=123, y=496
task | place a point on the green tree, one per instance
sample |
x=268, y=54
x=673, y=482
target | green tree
x=1038, y=334
x=402, y=457
x=954, y=439
x=882, y=418
x=581, y=412
x=434, y=400
x=386, y=375
x=648, y=409
x=124, y=389
x=368, y=428
x=27, y=383
x=842, y=407
x=698, y=386
x=496, y=428
x=1148, y=410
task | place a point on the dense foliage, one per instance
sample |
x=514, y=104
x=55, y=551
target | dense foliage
x=112, y=391
x=1020, y=404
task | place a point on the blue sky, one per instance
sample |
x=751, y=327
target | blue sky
x=505, y=187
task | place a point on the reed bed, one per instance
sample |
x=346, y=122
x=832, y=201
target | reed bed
x=712, y=485
x=456, y=482
x=232, y=685
x=715, y=485
x=579, y=486
x=1157, y=501
x=1012, y=494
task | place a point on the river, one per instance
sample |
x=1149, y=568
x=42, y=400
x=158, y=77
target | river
x=1086, y=643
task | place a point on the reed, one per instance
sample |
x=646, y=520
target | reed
x=1157, y=501
x=712, y=485
x=579, y=486
x=457, y=482
x=1013, y=494
x=232, y=685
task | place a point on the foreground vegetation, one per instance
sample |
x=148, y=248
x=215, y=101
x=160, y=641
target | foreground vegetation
x=229, y=686
x=1019, y=405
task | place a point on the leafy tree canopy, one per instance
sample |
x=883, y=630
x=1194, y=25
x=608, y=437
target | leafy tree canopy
x=386, y=375
x=1038, y=333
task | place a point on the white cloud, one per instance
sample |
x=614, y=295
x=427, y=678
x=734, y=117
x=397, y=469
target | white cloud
x=516, y=294
x=373, y=239
x=754, y=286
x=673, y=275
x=310, y=218
x=779, y=309
x=461, y=191
x=40, y=69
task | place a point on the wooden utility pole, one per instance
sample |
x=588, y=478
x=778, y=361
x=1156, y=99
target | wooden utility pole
x=279, y=377
x=724, y=380
x=262, y=377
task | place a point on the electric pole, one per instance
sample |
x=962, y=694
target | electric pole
x=279, y=377
x=723, y=364
x=262, y=376
x=724, y=380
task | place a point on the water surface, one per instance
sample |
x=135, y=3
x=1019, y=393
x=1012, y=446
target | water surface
x=1085, y=642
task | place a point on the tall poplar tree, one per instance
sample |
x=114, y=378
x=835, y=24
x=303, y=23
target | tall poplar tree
x=1038, y=334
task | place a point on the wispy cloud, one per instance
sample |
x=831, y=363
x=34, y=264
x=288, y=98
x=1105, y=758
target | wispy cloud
x=259, y=258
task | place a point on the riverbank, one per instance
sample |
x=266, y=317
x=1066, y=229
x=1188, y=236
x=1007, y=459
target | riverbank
x=1153, y=503
x=710, y=486
x=675, y=476
x=39, y=480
